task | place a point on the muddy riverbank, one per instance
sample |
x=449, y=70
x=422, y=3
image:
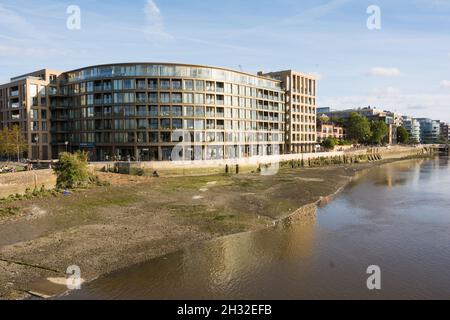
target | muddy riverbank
x=109, y=228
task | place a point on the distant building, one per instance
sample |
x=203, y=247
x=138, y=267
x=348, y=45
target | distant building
x=413, y=127
x=373, y=114
x=445, y=132
x=329, y=129
x=429, y=130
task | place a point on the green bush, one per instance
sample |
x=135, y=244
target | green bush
x=72, y=171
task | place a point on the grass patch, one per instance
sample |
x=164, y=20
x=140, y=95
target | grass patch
x=9, y=211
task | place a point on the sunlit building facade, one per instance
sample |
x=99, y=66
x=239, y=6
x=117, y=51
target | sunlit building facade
x=150, y=111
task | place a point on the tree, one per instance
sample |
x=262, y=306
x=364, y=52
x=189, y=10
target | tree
x=17, y=142
x=12, y=142
x=379, y=131
x=402, y=135
x=72, y=170
x=4, y=142
x=329, y=143
x=358, y=128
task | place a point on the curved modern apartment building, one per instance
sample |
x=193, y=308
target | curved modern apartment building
x=151, y=111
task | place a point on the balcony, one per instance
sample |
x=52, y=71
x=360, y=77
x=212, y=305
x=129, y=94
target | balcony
x=15, y=105
x=15, y=93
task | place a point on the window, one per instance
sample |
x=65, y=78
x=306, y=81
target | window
x=153, y=111
x=142, y=137
x=210, y=86
x=176, y=84
x=165, y=123
x=188, y=98
x=210, y=99
x=199, y=124
x=118, y=125
x=118, y=111
x=188, y=85
x=153, y=124
x=153, y=84
x=177, y=124
x=176, y=111
x=142, y=124
x=189, y=124
x=199, y=111
x=89, y=86
x=165, y=137
x=199, y=98
x=165, y=111
x=177, y=98
x=118, y=97
x=164, y=84
x=142, y=111
x=129, y=111
x=129, y=84
x=153, y=137
x=164, y=97
x=200, y=85
x=153, y=97
x=188, y=111
x=118, y=85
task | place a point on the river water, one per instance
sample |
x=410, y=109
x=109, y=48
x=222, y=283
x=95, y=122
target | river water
x=396, y=217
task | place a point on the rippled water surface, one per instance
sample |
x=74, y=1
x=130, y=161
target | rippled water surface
x=396, y=216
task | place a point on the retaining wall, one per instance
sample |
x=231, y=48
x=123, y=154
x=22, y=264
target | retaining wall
x=18, y=182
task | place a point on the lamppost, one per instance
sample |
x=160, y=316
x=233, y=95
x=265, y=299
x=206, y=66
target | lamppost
x=66, y=144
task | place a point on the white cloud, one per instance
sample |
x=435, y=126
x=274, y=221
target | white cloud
x=154, y=25
x=27, y=51
x=445, y=84
x=384, y=72
x=385, y=91
x=316, y=12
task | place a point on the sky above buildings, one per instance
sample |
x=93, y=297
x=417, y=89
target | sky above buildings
x=404, y=66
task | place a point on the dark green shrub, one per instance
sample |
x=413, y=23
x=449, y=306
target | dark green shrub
x=72, y=171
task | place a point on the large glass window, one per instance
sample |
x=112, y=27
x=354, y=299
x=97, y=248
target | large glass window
x=165, y=111
x=153, y=84
x=200, y=85
x=165, y=123
x=177, y=124
x=199, y=111
x=153, y=137
x=188, y=85
x=176, y=111
x=164, y=84
x=199, y=124
x=189, y=124
x=153, y=124
x=177, y=98
x=176, y=84
x=199, y=98
x=118, y=85
x=142, y=124
x=153, y=97
x=164, y=98
x=188, y=111
x=153, y=111
x=188, y=98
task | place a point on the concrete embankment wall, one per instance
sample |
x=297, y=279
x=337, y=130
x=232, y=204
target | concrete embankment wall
x=18, y=182
x=171, y=168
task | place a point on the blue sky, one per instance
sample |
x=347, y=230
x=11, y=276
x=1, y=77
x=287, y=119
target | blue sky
x=404, y=66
